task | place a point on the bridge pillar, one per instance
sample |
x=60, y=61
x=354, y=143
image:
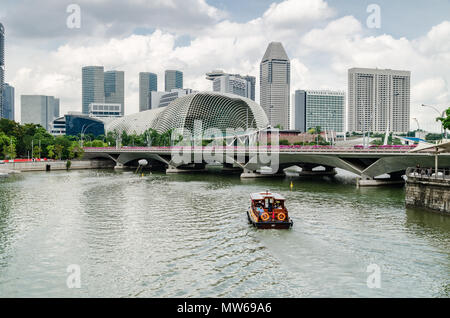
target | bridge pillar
x=307, y=170
x=365, y=181
x=186, y=169
x=329, y=171
x=119, y=166
x=250, y=174
x=228, y=168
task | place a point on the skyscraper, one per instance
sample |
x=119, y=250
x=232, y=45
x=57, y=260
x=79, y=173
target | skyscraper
x=378, y=100
x=275, y=79
x=8, y=101
x=115, y=88
x=323, y=108
x=93, y=86
x=148, y=82
x=233, y=83
x=173, y=79
x=39, y=109
x=2, y=66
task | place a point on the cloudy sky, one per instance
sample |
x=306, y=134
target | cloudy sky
x=323, y=38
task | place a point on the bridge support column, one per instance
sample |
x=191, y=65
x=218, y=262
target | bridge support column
x=250, y=174
x=229, y=169
x=365, y=181
x=184, y=169
x=119, y=166
x=308, y=171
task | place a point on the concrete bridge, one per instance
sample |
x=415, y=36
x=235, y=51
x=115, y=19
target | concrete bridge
x=366, y=163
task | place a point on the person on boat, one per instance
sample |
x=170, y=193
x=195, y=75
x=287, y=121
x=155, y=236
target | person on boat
x=260, y=210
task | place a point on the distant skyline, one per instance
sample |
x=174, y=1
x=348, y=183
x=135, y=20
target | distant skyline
x=322, y=38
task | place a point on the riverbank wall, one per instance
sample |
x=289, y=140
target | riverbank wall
x=54, y=165
x=429, y=193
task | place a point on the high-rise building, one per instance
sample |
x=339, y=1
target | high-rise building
x=2, y=66
x=173, y=79
x=378, y=100
x=39, y=109
x=8, y=101
x=169, y=97
x=148, y=82
x=319, y=108
x=115, y=88
x=275, y=79
x=105, y=110
x=233, y=83
x=93, y=86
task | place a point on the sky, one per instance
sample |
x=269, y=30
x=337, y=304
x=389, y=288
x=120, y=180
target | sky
x=323, y=38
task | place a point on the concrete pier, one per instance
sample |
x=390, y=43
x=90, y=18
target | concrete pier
x=429, y=192
x=310, y=173
x=253, y=174
x=174, y=170
x=361, y=182
x=55, y=165
x=119, y=166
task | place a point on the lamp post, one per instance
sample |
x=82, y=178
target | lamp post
x=417, y=122
x=270, y=109
x=83, y=130
x=440, y=114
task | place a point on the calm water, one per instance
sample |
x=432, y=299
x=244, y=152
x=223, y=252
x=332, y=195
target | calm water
x=188, y=236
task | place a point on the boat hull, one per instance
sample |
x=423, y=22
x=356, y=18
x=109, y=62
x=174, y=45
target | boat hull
x=270, y=224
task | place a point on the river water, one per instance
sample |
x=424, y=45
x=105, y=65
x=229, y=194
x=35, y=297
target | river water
x=188, y=236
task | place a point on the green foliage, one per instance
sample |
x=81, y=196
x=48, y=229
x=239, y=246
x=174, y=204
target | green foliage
x=284, y=142
x=433, y=137
x=22, y=141
x=51, y=151
x=445, y=120
x=377, y=142
x=75, y=151
x=36, y=151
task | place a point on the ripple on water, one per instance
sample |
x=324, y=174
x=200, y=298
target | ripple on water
x=188, y=236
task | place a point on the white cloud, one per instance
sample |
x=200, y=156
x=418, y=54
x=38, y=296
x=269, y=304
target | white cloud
x=321, y=51
x=295, y=14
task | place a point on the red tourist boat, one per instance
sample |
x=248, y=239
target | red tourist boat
x=268, y=211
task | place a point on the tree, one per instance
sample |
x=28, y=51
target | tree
x=75, y=151
x=445, y=120
x=9, y=147
x=36, y=152
x=51, y=151
x=59, y=151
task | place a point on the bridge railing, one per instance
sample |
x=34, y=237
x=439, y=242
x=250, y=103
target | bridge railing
x=281, y=148
x=428, y=173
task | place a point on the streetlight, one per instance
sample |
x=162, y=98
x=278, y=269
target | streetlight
x=388, y=116
x=440, y=114
x=83, y=130
x=417, y=122
x=270, y=109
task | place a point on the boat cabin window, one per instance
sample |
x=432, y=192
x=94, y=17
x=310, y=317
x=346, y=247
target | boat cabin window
x=269, y=204
x=278, y=204
x=258, y=204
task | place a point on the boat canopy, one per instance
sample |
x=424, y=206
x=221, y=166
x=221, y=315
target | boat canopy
x=263, y=195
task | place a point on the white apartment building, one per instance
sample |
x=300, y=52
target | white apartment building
x=378, y=100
